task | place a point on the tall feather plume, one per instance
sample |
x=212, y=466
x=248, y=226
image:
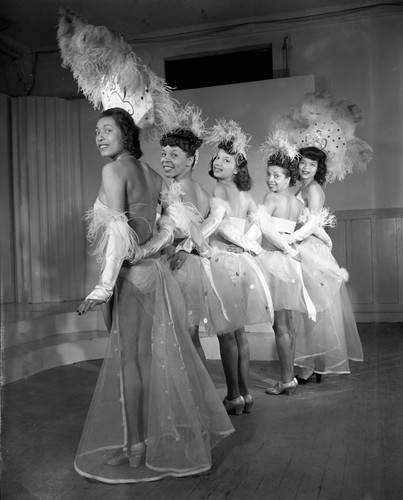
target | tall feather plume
x=99, y=58
x=95, y=54
x=165, y=107
x=228, y=131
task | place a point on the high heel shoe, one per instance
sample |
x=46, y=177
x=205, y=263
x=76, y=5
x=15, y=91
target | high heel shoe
x=288, y=388
x=118, y=458
x=302, y=381
x=248, y=403
x=236, y=406
x=136, y=455
x=133, y=456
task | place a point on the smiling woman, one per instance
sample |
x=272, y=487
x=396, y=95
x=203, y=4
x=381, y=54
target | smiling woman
x=164, y=415
x=155, y=411
x=111, y=134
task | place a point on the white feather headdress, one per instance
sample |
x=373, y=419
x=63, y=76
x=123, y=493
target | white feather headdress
x=110, y=74
x=188, y=117
x=277, y=144
x=228, y=131
x=330, y=126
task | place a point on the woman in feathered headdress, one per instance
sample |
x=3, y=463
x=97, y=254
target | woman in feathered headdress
x=238, y=280
x=187, y=204
x=280, y=263
x=155, y=411
x=327, y=345
x=324, y=132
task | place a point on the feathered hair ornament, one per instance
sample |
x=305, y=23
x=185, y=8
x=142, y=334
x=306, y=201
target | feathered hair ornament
x=329, y=125
x=109, y=73
x=277, y=145
x=186, y=130
x=230, y=133
x=188, y=117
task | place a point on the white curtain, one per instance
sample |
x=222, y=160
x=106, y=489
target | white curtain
x=47, y=200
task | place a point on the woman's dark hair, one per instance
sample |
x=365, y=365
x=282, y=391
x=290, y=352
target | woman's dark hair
x=316, y=154
x=242, y=178
x=289, y=166
x=182, y=138
x=130, y=131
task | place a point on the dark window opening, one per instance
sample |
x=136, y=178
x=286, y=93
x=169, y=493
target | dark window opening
x=221, y=68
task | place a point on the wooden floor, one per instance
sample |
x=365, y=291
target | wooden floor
x=338, y=440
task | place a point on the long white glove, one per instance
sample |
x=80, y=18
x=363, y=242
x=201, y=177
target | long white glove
x=185, y=216
x=218, y=209
x=160, y=240
x=253, y=232
x=313, y=223
x=234, y=235
x=216, y=222
x=187, y=219
x=263, y=220
x=118, y=242
x=323, y=236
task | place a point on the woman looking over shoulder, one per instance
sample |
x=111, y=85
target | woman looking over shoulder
x=281, y=264
x=187, y=204
x=155, y=411
x=327, y=345
x=238, y=279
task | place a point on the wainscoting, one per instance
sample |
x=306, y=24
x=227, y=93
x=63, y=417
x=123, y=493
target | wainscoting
x=369, y=244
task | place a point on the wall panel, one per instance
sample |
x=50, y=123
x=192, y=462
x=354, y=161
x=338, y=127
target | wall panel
x=360, y=261
x=372, y=242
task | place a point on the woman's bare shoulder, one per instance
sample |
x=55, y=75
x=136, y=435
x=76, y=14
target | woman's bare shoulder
x=219, y=191
x=315, y=195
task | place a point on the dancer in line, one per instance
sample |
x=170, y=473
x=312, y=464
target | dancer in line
x=187, y=204
x=327, y=345
x=155, y=411
x=238, y=279
x=324, y=129
x=280, y=263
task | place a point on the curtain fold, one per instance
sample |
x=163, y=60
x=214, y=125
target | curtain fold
x=47, y=199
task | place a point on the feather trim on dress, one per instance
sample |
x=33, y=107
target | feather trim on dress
x=106, y=223
x=324, y=217
x=216, y=202
x=183, y=214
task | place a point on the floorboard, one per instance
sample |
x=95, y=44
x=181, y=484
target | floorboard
x=341, y=439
